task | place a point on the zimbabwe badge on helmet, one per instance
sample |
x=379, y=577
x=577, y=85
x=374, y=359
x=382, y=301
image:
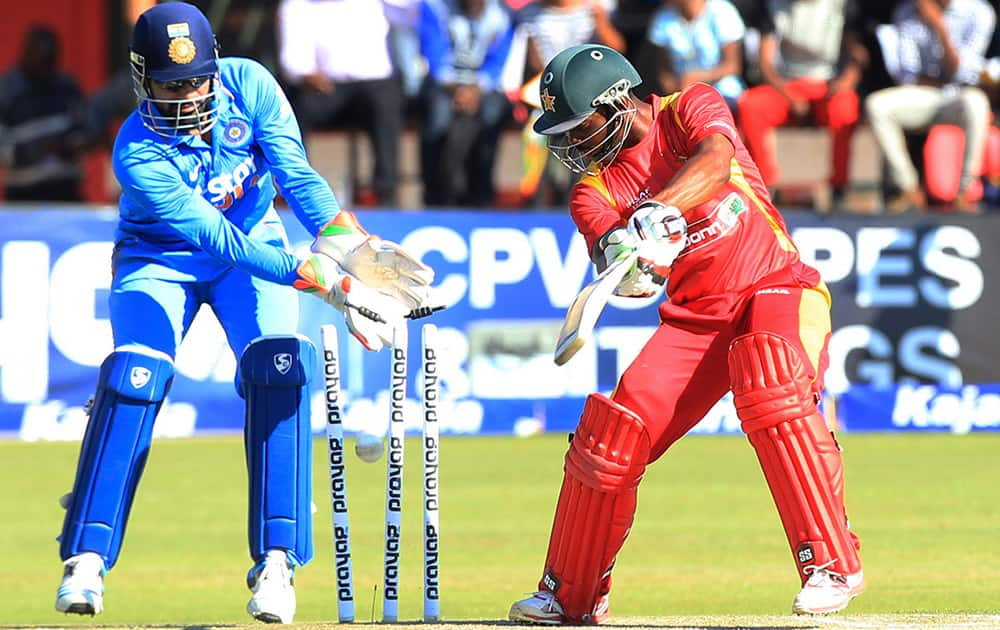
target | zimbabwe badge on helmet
x=548, y=101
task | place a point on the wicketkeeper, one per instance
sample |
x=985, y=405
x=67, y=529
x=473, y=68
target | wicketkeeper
x=198, y=161
x=670, y=178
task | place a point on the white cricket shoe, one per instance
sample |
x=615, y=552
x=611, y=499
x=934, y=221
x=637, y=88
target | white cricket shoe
x=543, y=608
x=82, y=589
x=827, y=592
x=273, y=586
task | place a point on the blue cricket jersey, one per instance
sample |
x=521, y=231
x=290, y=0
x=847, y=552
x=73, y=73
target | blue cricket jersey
x=191, y=206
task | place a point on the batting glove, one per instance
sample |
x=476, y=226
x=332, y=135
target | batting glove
x=613, y=246
x=640, y=280
x=661, y=231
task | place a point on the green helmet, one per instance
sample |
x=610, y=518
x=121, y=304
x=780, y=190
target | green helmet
x=577, y=80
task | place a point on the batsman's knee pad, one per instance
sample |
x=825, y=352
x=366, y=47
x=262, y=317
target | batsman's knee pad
x=131, y=386
x=604, y=465
x=798, y=454
x=274, y=376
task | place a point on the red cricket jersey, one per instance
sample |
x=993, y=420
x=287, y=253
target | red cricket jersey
x=734, y=240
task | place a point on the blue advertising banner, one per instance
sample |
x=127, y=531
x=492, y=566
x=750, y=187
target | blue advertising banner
x=912, y=346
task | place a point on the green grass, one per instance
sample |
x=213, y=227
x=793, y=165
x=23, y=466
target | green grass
x=707, y=540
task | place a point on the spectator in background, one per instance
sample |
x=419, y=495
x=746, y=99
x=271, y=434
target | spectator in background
x=810, y=66
x=936, y=59
x=41, y=132
x=465, y=43
x=551, y=26
x=753, y=13
x=699, y=40
x=873, y=15
x=336, y=56
x=114, y=101
x=246, y=29
x=631, y=18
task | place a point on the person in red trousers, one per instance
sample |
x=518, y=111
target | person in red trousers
x=669, y=191
x=810, y=64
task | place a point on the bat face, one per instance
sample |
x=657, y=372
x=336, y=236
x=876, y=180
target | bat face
x=582, y=315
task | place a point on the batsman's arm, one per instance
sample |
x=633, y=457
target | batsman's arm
x=595, y=215
x=711, y=140
x=702, y=175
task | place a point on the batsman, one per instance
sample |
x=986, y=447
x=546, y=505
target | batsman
x=667, y=183
x=199, y=162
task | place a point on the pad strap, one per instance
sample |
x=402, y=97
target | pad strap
x=799, y=456
x=604, y=465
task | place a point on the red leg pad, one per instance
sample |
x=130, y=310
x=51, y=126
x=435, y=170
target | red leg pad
x=605, y=462
x=798, y=454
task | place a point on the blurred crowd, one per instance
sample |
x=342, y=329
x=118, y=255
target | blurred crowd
x=922, y=75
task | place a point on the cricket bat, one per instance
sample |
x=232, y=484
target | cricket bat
x=581, y=317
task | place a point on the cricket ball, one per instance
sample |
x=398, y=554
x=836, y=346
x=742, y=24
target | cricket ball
x=368, y=447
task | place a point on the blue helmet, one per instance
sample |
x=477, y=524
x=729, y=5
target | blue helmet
x=174, y=42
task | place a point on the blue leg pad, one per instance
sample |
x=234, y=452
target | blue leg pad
x=131, y=386
x=273, y=380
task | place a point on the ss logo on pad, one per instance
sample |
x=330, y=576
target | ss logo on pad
x=283, y=362
x=139, y=376
x=805, y=554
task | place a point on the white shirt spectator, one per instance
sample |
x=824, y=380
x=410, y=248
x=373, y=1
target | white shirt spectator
x=554, y=28
x=810, y=34
x=345, y=40
x=970, y=23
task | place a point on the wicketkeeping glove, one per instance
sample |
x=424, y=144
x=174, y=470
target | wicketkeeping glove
x=382, y=265
x=371, y=315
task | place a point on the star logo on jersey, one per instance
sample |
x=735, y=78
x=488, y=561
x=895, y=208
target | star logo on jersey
x=139, y=376
x=227, y=188
x=283, y=362
x=548, y=101
x=181, y=50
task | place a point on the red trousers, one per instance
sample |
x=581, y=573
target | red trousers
x=762, y=108
x=682, y=371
